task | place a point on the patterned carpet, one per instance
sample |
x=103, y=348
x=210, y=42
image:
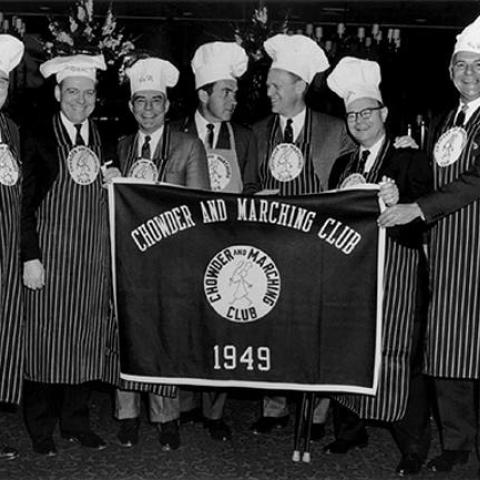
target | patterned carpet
x=246, y=457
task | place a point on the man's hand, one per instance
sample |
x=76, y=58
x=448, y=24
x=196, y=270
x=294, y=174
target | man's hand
x=268, y=192
x=405, y=141
x=388, y=191
x=399, y=215
x=109, y=174
x=33, y=274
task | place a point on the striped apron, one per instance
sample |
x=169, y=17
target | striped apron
x=11, y=291
x=400, y=283
x=453, y=328
x=69, y=329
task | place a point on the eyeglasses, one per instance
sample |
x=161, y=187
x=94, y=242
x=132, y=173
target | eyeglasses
x=141, y=103
x=364, y=114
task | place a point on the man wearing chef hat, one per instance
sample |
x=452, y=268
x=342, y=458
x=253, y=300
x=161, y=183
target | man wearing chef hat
x=232, y=156
x=231, y=147
x=65, y=250
x=156, y=153
x=402, y=174
x=453, y=351
x=11, y=308
x=296, y=150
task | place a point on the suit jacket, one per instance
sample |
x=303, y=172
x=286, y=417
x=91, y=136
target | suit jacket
x=40, y=169
x=245, y=146
x=186, y=162
x=413, y=177
x=329, y=141
x=456, y=194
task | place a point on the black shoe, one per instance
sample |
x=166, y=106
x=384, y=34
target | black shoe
x=45, y=447
x=410, y=464
x=267, y=424
x=128, y=433
x=169, y=436
x=218, y=430
x=8, y=453
x=85, y=439
x=191, y=416
x=317, y=432
x=447, y=460
x=343, y=446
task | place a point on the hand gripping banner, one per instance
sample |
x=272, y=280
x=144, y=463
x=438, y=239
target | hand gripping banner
x=264, y=292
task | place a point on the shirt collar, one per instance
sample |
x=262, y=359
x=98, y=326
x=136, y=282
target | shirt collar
x=154, y=139
x=374, y=151
x=201, y=124
x=471, y=108
x=298, y=122
x=72, y=131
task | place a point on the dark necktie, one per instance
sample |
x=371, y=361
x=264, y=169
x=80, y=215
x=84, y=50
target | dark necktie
x=146, y=148
x=288, y=132
x=78, y=136
x=460, y=120
x=210, y=128
x=362, y=161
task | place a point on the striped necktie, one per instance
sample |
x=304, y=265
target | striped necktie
x=460, y=119
x=78, y=137
x=146, y=148
x=288, y=132
x=210, y=135
x=362, y=161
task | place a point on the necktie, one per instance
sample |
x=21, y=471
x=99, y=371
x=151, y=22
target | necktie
x=210, y=133
x=78, y=136
x=288, y=132
x=146, y=148
x=362, y=161
x=460, y=120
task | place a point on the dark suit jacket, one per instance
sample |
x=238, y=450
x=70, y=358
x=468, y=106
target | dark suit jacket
x=454, y=195
x=245, y=145
x=40, y=169
x=413, y=176
x=186, y=159
x=329, y=141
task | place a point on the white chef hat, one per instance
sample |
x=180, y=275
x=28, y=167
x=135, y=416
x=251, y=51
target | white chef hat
x=469, y=39
x=218, y=61
x=80, y=65
x=11, y=52
x=354, y=78
x=152, y=74
x=297, y=54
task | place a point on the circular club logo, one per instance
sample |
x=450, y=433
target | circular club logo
x=242, y=283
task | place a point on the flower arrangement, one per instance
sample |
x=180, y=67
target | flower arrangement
x=83, y=34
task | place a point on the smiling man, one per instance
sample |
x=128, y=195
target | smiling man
x=65, y=249
x=453, y=352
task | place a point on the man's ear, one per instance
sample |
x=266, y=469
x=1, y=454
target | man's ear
x=167, y=105
x=130, y=105
x=203, y=96
x=57, y=92
x=384, y=114
x=301, y=87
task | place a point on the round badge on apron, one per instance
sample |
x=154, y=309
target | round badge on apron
x=449, y=146
x=83, y=165
x=144, y=169
x=220, y=172
x=9, y=171
x=353, y=180
x=286, y=162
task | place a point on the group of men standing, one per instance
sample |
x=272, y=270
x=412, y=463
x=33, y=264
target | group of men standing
x=59, y=334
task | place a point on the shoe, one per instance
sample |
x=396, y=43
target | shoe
x=191, y=416
x=410, y=464
x=85, y=439
x=169, y=435
x=341, y=446
x=128, y=433
x=45, y=447
x=317, y=432
x=218, y=430
x=447, y=460
x=8, y=453
x=267, y=424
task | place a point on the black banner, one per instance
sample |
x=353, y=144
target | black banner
x=264, y=292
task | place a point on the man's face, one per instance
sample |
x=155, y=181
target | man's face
x=465, y=74
x=285, y=91
x=76, y=96
x=4, y=82
x=219, y=105
x=149, y=108
x=366, y=120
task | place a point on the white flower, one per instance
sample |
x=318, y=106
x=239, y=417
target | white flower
x=73, y=25
x=64, y=37
x=261, y=15
x=89, y=8
x=81, y=13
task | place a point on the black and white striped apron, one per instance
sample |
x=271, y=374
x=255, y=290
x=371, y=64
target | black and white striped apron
x=11, y=291
x=400, y=282
x=69, y=326
x=453, y=329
